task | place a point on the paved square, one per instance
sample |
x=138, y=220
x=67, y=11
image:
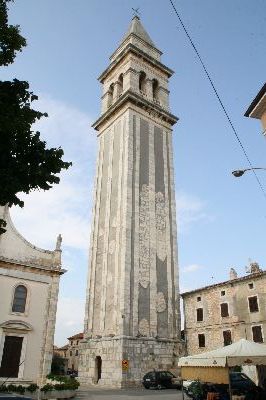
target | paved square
x=92, y=393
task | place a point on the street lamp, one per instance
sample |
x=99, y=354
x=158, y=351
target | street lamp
x=239, y=172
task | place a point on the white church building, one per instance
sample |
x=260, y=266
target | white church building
x=29, y=283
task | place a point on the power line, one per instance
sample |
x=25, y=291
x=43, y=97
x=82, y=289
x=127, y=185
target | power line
x=219, y=98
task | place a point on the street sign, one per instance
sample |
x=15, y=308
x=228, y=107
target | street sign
x=124, y=365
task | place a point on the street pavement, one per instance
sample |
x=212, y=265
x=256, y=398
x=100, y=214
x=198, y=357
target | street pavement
x=97, y=393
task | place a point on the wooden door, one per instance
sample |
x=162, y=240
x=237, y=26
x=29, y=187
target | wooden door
x=11, y=356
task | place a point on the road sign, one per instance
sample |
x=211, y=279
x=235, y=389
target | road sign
x=124, y=365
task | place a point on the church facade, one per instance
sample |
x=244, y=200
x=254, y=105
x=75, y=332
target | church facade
x=29, y=283
x=132, y=319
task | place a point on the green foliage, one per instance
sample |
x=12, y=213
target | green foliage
x=58, y=365
x=58, y=378
x=32, y=388
x=25, y=162
x=10, y=39
x=195, y=388
x=18, y=388
x=66, y=384
x=47, y=388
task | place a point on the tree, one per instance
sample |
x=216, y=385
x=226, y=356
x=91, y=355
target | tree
x=26, y=163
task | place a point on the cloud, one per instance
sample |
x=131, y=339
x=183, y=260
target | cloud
x=66, y=207
x=69, y=319
x=191, y=268
x=190, y=210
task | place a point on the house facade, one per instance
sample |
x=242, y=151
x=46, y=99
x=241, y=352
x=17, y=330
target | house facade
x=257, y=108
x=220, y=314
x=29, y=283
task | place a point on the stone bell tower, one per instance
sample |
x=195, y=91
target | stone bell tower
x=132, y=321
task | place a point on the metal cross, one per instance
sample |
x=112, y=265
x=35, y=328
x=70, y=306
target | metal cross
x=136, y=12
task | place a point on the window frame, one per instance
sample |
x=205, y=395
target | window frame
x=26, y=310
x=261, y=329
x=22, y=354
x=228, y=312
x=199, y=320
x=227, y=330
x=202, y=335
x=258, y=304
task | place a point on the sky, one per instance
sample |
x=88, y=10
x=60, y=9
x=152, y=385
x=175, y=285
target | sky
x=221, y=219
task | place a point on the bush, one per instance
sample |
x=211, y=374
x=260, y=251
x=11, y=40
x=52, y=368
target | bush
x=47, y=388
x=32, y=388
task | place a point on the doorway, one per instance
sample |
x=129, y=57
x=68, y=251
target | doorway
x=98, y=368
x=11, y=356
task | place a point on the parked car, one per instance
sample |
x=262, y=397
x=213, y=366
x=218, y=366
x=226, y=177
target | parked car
x=160, y=380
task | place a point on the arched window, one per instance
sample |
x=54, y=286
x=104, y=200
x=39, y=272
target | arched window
x=142, y=81
x=19, y=300
x=155, y=87
x=110, y=95
x=120, y=84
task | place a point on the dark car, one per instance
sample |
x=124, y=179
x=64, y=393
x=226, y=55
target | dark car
x=240, y=384
x=160, y=380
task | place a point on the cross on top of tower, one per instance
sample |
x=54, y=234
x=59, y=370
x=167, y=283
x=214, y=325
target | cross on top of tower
x=136, y=12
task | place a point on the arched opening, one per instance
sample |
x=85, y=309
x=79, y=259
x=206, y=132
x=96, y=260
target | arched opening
x=19, y=299
x=142, y=82
x=120, y=84
x=110, y=95
x=98, y=368
x=155, y=87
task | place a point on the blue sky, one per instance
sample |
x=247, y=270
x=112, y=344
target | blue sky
x=221, y=219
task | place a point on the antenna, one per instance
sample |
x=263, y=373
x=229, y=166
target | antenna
x=136, y=12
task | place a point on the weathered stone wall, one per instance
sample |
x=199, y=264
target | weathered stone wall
x=142, y=354
x=240, y=319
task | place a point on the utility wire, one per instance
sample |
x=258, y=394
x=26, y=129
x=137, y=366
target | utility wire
x=219, y=98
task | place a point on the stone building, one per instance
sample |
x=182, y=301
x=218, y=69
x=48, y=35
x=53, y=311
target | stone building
x=29, y=282
x=73, y=351
x=132, y=318
x=257, y=108
x=220, y=314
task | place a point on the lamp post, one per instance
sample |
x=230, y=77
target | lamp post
x=239, y=172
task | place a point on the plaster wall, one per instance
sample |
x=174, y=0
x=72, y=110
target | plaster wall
x=239, y=321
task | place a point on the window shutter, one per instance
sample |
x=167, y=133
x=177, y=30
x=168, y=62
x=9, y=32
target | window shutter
x=224, y=310
x=253, y=304
x=227, y=337
x=257, y=334
x=199, y=314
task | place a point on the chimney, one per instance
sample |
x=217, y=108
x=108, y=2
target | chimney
x=233, y=274
x=254, y=268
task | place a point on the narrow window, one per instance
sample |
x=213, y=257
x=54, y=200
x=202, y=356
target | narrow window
x=201, y=338
x=77, y=342
x=227, y=337
x=155, y=87
x=199, y=314
x=77, y=353
x=142, y=81
x=253, y=304
x=251, y=285
x=120, y=84
x=198, y=298
x=19, y=300
x=257, y=334
x=70, y=353
x=223, y=293
x=71, y=343
x=224, y=310
x=110, y=95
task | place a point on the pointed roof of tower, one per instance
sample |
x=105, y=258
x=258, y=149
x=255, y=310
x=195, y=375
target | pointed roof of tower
x=136, y=28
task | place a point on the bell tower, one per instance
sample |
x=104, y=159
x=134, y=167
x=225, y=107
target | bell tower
x=132, y=317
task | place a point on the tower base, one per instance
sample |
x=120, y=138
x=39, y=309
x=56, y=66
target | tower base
x=123, y=361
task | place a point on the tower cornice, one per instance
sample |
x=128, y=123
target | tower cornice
x=135, y=50
x=140, y=101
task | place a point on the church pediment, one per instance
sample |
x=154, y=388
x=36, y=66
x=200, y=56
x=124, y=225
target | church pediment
x=16, y=325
